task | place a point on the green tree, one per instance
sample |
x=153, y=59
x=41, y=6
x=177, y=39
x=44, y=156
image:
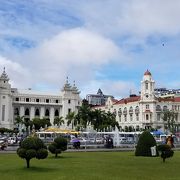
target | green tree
x=170, y=119
x=58, y=121
x=38, y=123
x=32, y=147
x=70, y=119
x=103, y=120
x=83, y=117
x=59, y=145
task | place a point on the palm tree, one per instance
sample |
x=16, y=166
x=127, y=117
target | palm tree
x=70, y=119
x=19, y=120
x=59, y=121
x=83, y=117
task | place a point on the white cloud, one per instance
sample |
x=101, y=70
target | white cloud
x=19, y=76
x=137, y=17
x=77, y=53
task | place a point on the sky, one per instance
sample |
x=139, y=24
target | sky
x=106, y=44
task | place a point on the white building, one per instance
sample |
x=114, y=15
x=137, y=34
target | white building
x=31, y=104
x=144, y=111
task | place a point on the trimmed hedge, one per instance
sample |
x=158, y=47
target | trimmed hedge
x=32, y=147
x=59, y=145
x=166, y=151
x=146, y=141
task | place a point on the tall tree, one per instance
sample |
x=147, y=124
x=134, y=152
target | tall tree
x=83, y=117
x=170, y=119
x=70, y=119
x=58, y=121
x=40, y=123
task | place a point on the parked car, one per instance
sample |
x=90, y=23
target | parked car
x=11, y=140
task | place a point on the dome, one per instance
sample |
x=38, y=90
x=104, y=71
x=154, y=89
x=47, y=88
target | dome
x=147, y=73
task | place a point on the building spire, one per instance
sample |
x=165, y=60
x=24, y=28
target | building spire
x=4, y=76
x=67, y=80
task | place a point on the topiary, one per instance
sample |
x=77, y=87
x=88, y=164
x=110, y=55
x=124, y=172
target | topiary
x=166, y=151
x=32, y=147
x=146, y=141
x=59, y=145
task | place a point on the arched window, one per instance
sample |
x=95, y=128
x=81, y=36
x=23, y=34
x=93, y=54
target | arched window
x=131, y=110
x=37, y=113
x=125, y=110
x=114, y=112
x=119, y=112
x=137, y=110
x=26, y=112
x=16, y=112
x=47, y=112
x=56, y=114
x=158, y=108
x=165, y=108
x=147, y=117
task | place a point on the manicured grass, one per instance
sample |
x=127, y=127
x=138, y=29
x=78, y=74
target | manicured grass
x=91, y=166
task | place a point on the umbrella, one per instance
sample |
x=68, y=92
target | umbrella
x=75, y=140
x=158, y=132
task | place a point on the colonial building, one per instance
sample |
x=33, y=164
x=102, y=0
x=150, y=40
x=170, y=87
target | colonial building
x=145, y=110
x=31, y=104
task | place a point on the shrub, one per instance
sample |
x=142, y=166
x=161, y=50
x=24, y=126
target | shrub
x=59, y=145
x=32, y=147
x=146, y=141
x=166, y=151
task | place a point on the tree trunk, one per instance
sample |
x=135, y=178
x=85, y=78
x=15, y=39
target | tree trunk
x=56, y=155
x=164, y=160
x=28, y=162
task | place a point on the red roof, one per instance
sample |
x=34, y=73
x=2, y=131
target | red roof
x=172, y=99
x=147, y=73
x=128, y=100
x=114, y=100
x=177, y=99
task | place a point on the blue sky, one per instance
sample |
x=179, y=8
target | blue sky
x=105, y=44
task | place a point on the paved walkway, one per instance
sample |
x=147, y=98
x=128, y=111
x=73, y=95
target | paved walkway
x=10, y=150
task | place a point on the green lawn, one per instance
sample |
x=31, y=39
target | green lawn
x=91, y=165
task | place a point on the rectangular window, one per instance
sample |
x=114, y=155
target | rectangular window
x=57, y=101
x=131, y=117
x=119, y=118
x=17, y=99
x=27, y=99
x=125, y=117
x=146, y=86
x=137, y=117
x=147, y=106
x=37, y=100
x=69, y=101
x=47, y=100
x=158, y=117
x=69, y=110
x=3, y=112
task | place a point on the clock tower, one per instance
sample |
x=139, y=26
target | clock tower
x=147, y=87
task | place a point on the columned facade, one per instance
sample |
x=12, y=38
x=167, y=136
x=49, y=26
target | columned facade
x=144, y=111
x=33, y=104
